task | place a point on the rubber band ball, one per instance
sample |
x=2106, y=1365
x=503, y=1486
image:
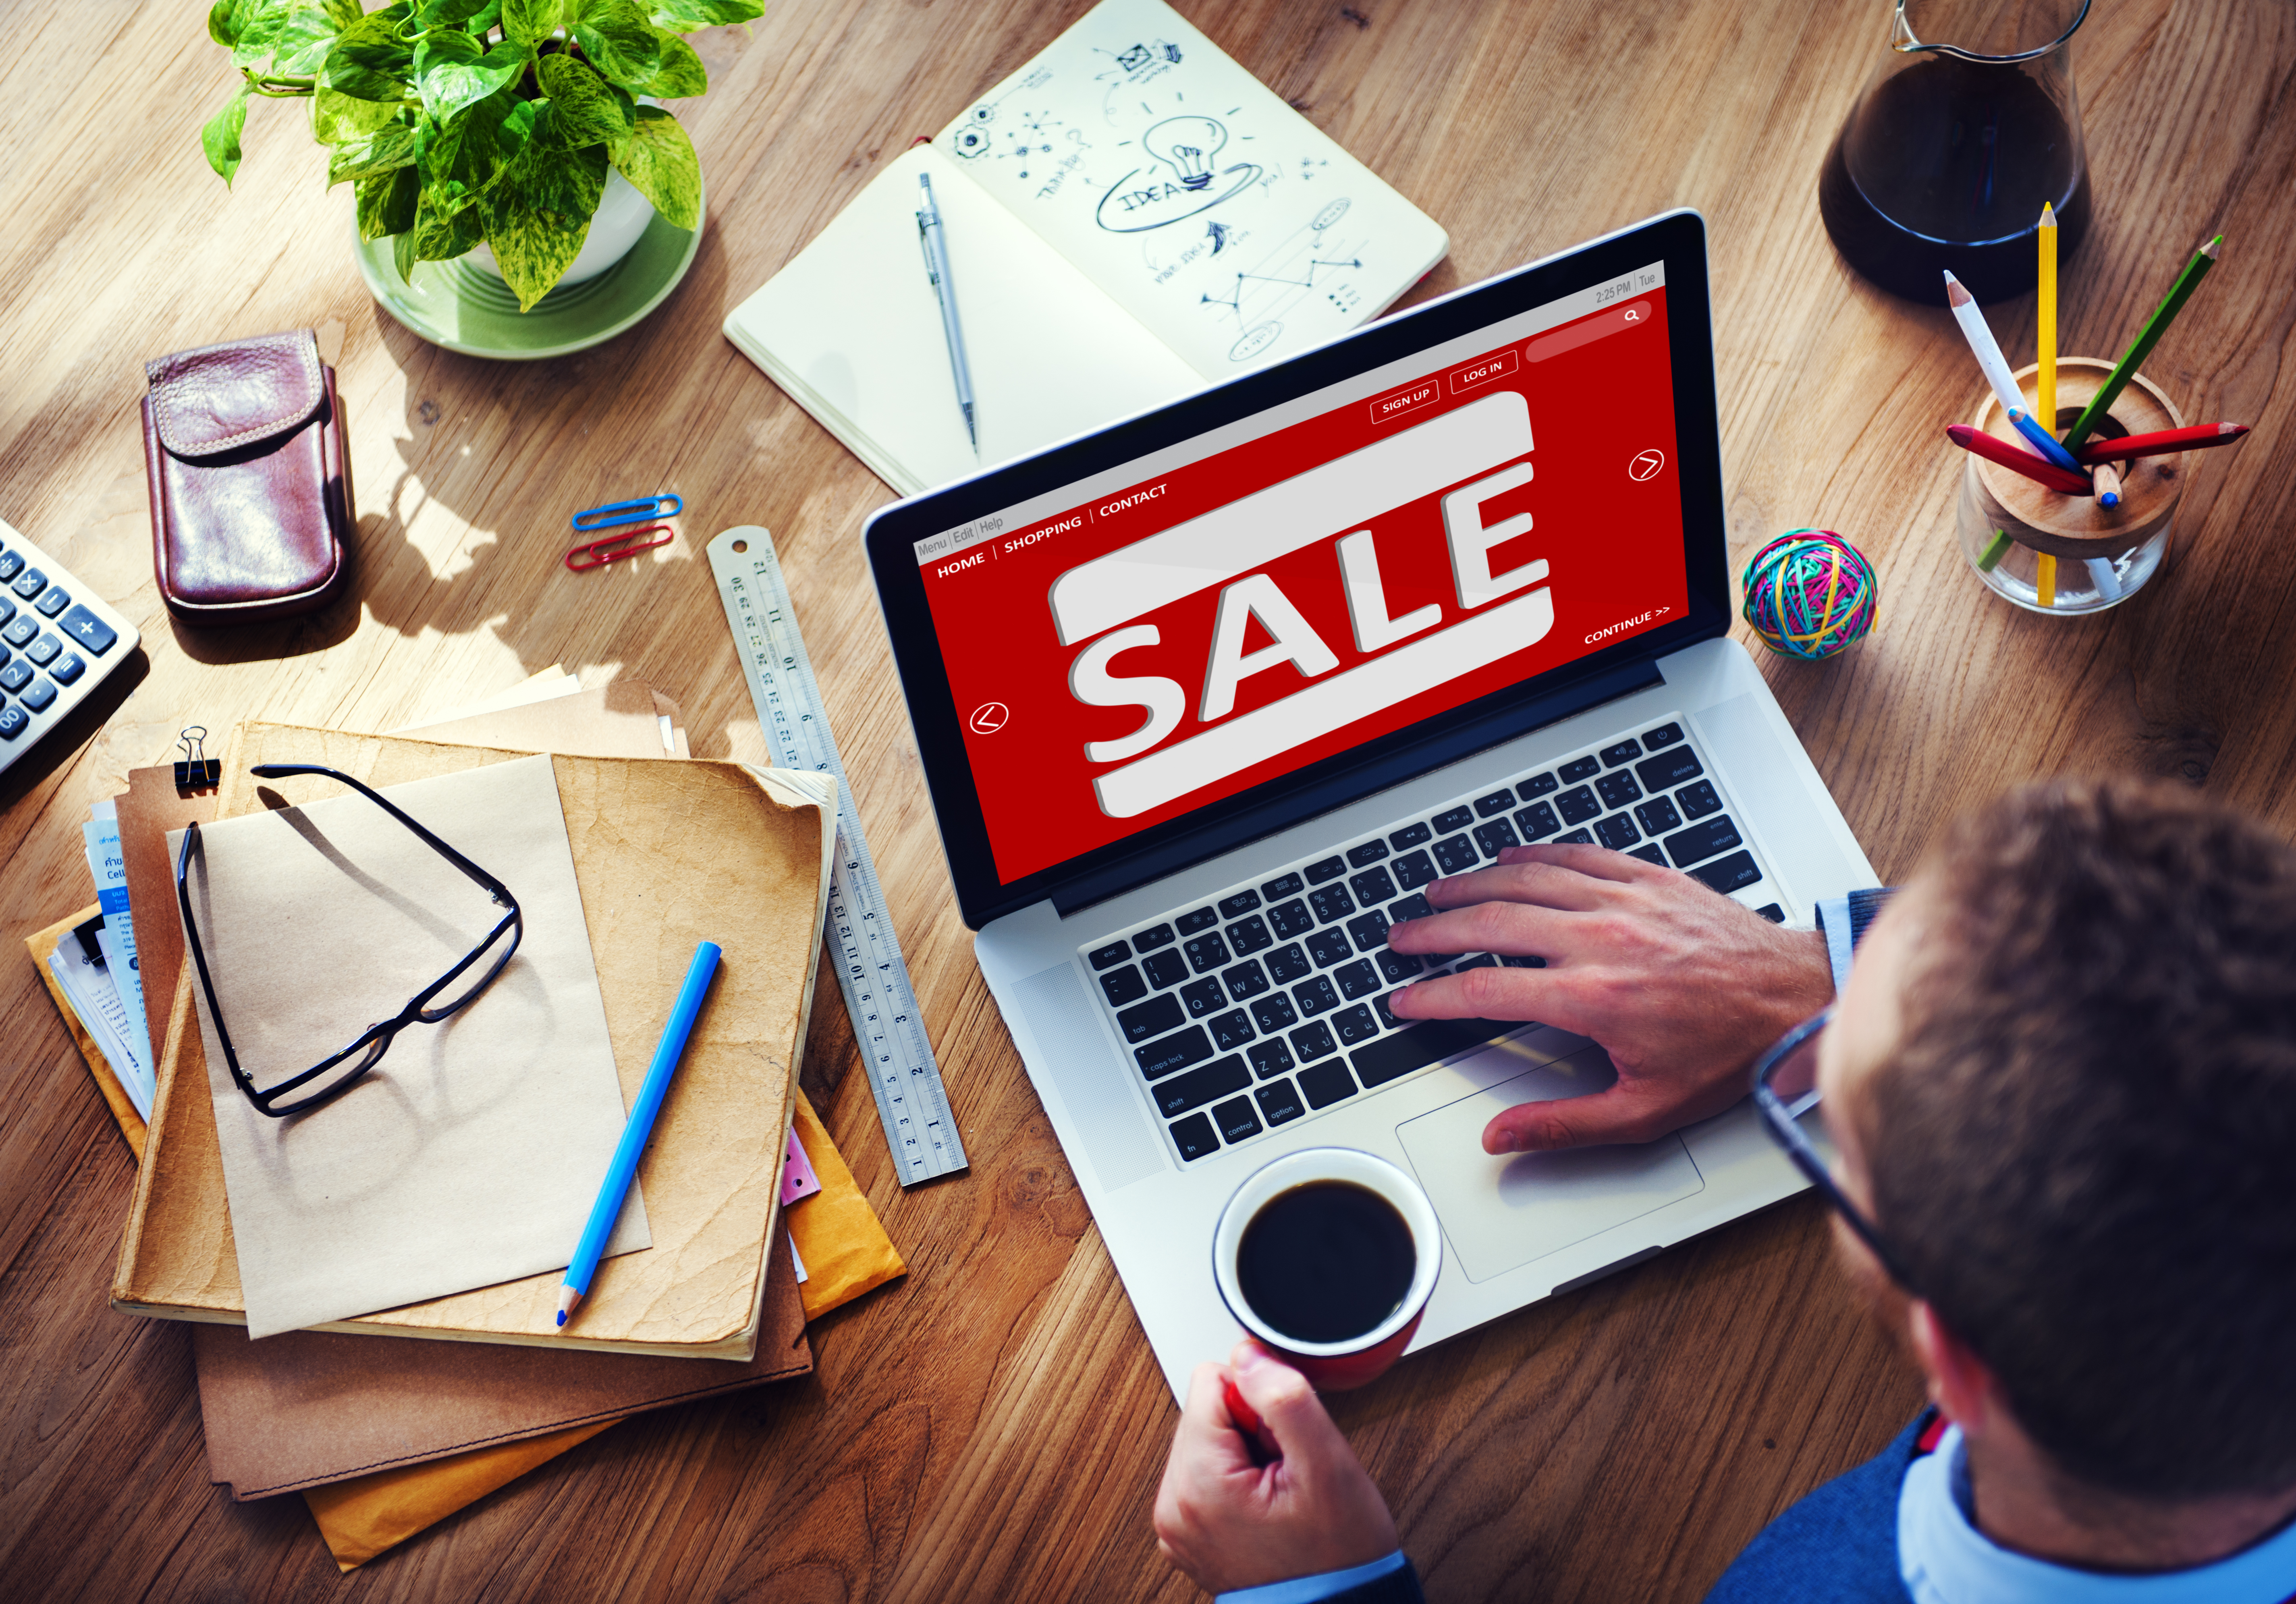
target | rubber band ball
x=1810, y=593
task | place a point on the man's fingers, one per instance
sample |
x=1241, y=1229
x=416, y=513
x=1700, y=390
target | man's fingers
x=1595, y=862
x=1538, y=882
x=1288, y=1407
x=1483, y=993
x=1206, y=1437
x=1612, y=1116
x=1485, y=927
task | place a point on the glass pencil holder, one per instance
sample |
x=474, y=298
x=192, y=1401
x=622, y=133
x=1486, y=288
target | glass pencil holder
x=2069, y=555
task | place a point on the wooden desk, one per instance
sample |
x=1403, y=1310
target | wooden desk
x=993, y=1426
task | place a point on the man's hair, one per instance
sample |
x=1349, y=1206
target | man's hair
x=2085, y=1148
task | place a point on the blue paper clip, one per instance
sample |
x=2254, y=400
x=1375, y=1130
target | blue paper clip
x=614, y=548
x=615, y=513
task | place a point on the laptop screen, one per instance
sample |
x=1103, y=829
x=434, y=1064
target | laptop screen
x=1148, y=634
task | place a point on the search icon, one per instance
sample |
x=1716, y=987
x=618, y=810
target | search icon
x=1634, y=315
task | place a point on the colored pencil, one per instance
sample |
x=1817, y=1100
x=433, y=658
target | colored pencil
x=1993, y=448
x=2045, y=579
x=624, y=1167
x=2147, y=337
x=2101, y=575
x=1980, y=335
x=2161, y=442
x=2041, y=439
x=2044, y=379
x=1995, y=551
x=2105, y=479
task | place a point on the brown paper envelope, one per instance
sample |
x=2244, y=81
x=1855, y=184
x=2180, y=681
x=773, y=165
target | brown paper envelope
x=147, y=812
x=309, y=1408
x=107, y=1081
x=621, y=718
x=845, y=1249
x=666, y=854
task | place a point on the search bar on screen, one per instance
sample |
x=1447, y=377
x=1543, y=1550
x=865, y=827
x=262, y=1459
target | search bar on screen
x=1633, y=315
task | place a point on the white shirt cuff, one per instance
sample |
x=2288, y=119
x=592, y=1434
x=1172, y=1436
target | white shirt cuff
x=1833, y=920
x=1307, y=1590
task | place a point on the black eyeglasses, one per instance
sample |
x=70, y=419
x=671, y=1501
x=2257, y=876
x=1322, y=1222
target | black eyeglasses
x=1785, y=1088
x=337, y=1075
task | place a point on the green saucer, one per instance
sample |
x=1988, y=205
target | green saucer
x=468, y=308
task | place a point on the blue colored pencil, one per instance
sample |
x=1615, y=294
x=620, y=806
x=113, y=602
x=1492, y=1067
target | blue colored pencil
x=2043, y=440
x=624, y=1168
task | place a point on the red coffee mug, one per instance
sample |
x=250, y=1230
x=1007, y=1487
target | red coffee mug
x=1334, y=1366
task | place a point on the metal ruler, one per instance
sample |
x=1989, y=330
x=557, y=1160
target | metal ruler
x=911, y=1101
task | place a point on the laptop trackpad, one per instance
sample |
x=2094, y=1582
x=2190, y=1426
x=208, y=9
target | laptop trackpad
x=1499, y=1214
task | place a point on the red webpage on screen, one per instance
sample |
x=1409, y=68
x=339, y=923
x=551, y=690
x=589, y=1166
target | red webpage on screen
x=1159, y=648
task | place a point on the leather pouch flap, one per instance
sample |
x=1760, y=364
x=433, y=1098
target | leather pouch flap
x=223, y=397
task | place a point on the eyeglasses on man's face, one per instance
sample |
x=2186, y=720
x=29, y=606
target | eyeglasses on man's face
x=456, y=989
x=1785, y=1088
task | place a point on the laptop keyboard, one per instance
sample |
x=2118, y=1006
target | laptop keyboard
x=1268, y=1003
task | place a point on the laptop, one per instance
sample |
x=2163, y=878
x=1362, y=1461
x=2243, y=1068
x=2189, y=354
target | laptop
x=1207, y=697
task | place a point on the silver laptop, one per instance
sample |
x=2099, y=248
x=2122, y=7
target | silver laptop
x=1205, y=699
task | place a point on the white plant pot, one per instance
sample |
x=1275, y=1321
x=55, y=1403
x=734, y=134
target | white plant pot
x=622, y=216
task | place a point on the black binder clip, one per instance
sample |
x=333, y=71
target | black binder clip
x=195, y=770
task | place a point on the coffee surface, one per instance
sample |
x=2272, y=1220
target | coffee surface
x=1325, y=1262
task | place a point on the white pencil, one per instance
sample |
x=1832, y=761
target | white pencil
x=1980, y=335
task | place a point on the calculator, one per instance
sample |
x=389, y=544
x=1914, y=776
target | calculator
x=59, y=640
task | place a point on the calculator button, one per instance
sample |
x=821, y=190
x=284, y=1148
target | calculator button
x=1579, y=768
x=10, y=565
x=1123, y=986
x=1235, y=1119
x=83, y=628
x=1669, y=769
x=7, y=610
x=29, y=583
x=1269, y=1058
x=1280, y=1102
x=52, y=601
x=1625, y=751
x=16, y=676
x=1159, y=1014
x=38, y=696
x=1164, y=969
x=22, y=630
x=1193, y=1137
x=43, y=651
x=1202, y=919
x=1282, y=886
x=1115, y=952
x=13, y=721
x=1454, y=819
x=1409, y=836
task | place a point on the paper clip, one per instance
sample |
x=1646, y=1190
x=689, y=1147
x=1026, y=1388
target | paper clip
x=195, y=769
x=614, y=514
x=614, y=548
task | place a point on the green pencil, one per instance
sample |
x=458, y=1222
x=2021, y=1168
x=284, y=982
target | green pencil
x=2147, y=337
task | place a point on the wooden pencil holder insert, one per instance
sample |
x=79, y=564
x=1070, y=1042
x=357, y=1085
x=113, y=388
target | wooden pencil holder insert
x=2101, y=555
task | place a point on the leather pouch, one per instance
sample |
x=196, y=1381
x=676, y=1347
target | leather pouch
x=251, y=484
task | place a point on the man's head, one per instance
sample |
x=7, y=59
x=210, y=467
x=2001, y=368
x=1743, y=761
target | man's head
x=2064, y=1076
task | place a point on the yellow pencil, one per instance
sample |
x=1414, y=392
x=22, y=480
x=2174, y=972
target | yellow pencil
x=2045, y=407
x=2045, y=579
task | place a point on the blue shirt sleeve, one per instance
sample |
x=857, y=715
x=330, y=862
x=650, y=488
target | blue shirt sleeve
x=1843, y=922
x=1309, y=1590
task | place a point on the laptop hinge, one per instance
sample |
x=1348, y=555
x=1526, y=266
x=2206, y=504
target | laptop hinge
x=1337, y=790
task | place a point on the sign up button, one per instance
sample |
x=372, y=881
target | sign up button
x=1395, y=403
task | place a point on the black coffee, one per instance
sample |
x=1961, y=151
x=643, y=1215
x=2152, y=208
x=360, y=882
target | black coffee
x=1325, y=1262
x=1954, y=159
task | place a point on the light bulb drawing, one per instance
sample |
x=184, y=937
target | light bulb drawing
x=1189, y=145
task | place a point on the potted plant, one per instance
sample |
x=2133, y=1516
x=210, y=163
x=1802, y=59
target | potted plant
x=463, y=122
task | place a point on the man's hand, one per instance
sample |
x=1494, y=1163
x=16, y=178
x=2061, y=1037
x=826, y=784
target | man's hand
x=1682, y=986
x=1229, y=1523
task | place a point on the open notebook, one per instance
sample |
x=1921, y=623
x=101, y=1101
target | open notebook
x=1128, y=216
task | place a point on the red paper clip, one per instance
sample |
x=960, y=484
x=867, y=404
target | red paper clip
x=614, y=548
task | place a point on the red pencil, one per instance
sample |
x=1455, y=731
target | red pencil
x=2160, y=443
x=2019, y=459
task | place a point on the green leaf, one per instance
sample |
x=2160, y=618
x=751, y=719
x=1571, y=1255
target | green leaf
x=336, y=117
x=402, y=254
x=451, y=72
x=288, y=41
x=681, y=72
x=684, y=16
x=220, y=137
x=440, y=236
x=370, y=61
x=583, y=108
x=531, y=22
x=385, y=150
x=387, y=203
x=446, y=13
x=463, y=157
x=344, y=11
x=657, y=159
x=621, y=43
x=228, y=19
x=538, y=214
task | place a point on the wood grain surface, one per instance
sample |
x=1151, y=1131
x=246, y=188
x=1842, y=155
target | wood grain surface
x=993, y=1426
